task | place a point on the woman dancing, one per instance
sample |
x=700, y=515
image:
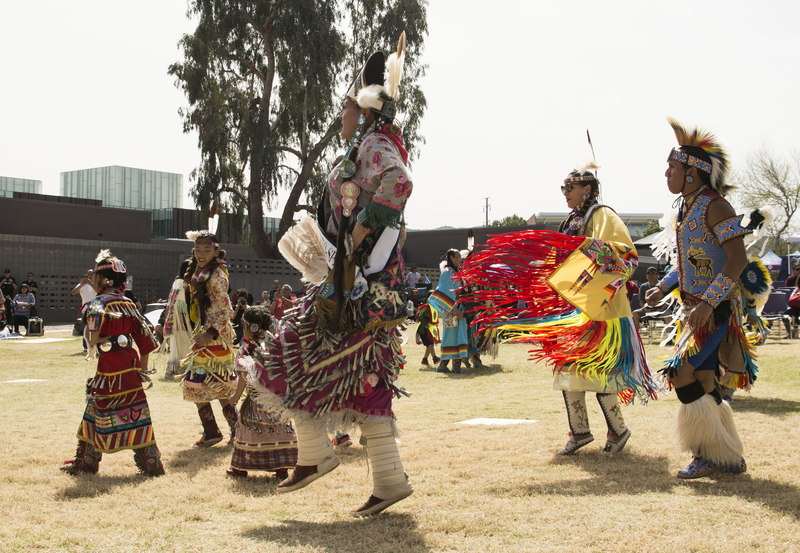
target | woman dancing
x=336, y=356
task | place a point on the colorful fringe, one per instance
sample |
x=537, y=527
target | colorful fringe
x=512, y=275
x=745, y=376
x=313, y=370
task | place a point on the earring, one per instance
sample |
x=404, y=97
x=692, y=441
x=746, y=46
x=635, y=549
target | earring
x=585, y=196
x=689, y=179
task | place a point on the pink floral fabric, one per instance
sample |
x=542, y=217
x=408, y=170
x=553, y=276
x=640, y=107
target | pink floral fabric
x=383, y=179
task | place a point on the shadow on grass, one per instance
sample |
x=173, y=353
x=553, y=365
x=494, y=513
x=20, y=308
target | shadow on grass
x=388, y=531
x=765, y=405
x=486, y=370
x=192, y=460
x=94, y=485
x=632, y=473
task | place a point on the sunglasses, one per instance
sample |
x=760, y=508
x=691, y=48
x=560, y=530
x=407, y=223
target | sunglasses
x=566, y=188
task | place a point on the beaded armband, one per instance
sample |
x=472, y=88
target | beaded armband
x=718, y=290
x=669, y=282
x=730, y=228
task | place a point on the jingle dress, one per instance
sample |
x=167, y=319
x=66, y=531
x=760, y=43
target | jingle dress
x=208, y=370
x=334, y=376
x=117, y=416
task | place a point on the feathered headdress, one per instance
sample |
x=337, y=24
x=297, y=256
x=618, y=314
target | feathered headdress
x=207, y=236
x=696, y=143
x=377, y=86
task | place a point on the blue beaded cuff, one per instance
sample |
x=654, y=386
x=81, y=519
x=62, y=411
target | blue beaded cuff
x=669, y=282
x=718, y=290
x=730, y=228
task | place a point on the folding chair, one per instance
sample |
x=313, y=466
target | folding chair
x=774, y=309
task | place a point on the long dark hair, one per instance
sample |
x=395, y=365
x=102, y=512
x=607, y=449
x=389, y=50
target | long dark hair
x=203, y=300
x=594, y=190
x=258, y=314
x=449, y=258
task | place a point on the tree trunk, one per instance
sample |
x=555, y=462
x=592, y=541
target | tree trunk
x=302, y=179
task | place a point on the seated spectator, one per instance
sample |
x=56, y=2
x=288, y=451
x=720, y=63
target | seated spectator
x=793, y=313
x=23, y=302
x=791, y=282
x=646, y=312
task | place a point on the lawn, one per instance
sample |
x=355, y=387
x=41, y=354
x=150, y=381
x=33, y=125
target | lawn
x=478, y=488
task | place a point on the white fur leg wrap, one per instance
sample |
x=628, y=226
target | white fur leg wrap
x=707, y=430
x=313, y=446
x=389, y=480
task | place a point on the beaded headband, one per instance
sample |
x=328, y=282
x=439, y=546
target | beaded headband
x=691, y=161
x=579, y=179
x=205, y=240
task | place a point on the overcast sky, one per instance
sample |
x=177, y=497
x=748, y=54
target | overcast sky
x=512, y=87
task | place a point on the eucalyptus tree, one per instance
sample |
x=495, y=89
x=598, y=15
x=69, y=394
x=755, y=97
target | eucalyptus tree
x=264, y=80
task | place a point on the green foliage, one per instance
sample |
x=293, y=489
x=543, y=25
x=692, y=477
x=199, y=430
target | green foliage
x=264, y=81
x=510, y=221
x=651, y=228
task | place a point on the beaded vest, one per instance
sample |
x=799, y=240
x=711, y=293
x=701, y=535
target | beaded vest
x=700, y=247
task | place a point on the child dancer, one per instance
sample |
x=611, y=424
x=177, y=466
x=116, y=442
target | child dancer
x=117, y=416
x=261, y=441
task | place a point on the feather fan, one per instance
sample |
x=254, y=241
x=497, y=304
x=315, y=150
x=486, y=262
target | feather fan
x=302, y=247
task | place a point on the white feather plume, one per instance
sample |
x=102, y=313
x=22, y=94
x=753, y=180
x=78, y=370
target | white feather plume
x=394, y=68
x=370, y=97
x=665, y=242
x=104, y=254
x=586, y=166
x=192, y=234
x=768, y=212
x=213, y=219
x=302, y=247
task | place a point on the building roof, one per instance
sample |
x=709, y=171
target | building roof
x=550, y=217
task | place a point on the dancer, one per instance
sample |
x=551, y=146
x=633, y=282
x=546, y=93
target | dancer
x=711, y=256
x=337, y=354
x=208, y=369
x=261, y=441
x=178, y=326
x=117, y=416
x=443, y=299
x=428, y=331
x=565, y=295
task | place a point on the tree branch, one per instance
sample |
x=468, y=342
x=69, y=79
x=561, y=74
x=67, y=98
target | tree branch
x=291, y=151
x=253, y=69
x=233, y=191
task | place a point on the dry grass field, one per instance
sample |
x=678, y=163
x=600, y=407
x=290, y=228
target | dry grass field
x=478, y=488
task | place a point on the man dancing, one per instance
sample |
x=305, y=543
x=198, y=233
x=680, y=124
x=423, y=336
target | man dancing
x=711, y=256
